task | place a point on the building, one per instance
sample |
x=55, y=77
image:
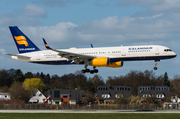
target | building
x=5, y=96
x=65, y=96
x=175, y=99
x=159, y=91
x=107, y=94
x=37, y=97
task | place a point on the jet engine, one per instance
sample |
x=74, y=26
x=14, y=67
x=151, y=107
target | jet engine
x=105, y=62
x=115, y=64
x=100, y=62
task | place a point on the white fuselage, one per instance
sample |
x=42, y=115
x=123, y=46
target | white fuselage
x=122, y=53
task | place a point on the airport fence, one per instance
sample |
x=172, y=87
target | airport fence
x=83, y=106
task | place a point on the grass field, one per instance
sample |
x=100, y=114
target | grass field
x=87, y=116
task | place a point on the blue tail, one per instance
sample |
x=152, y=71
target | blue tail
x=23, y=43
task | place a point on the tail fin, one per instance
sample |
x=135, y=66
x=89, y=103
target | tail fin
x=23, y=43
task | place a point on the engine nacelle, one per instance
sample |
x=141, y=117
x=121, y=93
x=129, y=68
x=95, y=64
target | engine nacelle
x=100, y=62
x=105, y=62
x=115, y=64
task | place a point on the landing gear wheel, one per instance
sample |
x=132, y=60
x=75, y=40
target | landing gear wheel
x=155, y=68
x=83, y=71
x=92, y=71
x=87, y=70
x=95, y=71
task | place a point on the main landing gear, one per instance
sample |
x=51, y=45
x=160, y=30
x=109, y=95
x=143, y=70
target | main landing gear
x=89, y=71
x=155, y=68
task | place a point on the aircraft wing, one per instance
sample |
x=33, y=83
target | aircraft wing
x=78, y=58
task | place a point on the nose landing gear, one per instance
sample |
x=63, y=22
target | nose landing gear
x=155, y=68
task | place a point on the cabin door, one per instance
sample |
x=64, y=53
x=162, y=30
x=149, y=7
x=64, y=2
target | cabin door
x=124, y=52
x=157, y=51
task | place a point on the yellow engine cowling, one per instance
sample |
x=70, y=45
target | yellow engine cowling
x=105, y=62
x=100, y=62
x=115, y=64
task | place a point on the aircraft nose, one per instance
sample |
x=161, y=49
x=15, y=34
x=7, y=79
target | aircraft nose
x=174, y=54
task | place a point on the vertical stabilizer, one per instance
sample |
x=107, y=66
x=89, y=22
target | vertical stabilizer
x=23, y=43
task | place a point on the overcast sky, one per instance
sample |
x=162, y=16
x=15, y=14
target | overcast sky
x=77, y=23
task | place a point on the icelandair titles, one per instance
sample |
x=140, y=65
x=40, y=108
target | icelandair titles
x=23, y=49
x=141, y=48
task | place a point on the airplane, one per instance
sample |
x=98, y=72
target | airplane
x=112, y=57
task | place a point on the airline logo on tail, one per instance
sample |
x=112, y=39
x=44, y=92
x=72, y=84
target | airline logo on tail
x=21, y=40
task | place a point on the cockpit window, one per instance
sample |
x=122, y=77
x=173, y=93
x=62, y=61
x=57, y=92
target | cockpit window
x=167, y=50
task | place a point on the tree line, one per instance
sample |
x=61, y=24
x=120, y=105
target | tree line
x=11, y=80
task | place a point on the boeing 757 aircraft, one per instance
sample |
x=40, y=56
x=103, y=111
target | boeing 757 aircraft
x=113, y=57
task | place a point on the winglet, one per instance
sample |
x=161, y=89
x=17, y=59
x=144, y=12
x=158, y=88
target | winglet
x=46, y=45
x=92, y=46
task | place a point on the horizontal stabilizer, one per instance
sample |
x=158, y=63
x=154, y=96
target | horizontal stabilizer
x=18, y=56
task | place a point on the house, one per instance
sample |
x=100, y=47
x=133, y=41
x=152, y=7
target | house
x=107, y=94
x=65, y=96
x=159, y=91
x=37, y=97
x=175, y=99
x=5, y=96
